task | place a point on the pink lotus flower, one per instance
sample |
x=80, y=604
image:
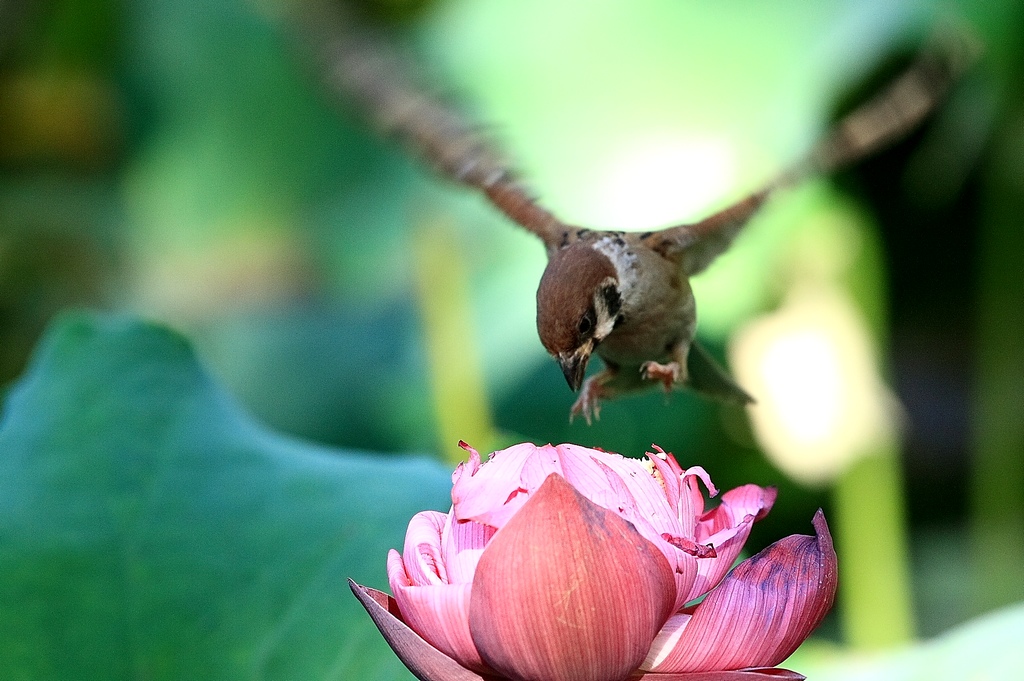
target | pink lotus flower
x=572, y=564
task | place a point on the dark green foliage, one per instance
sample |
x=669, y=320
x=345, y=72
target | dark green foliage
x=150, y=530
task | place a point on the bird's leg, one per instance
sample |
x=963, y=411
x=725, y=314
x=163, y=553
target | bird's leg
x=595, y=388
x=670, y=373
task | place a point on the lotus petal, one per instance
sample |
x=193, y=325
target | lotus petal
x=437, y=612
x=568, y=590
x=759, y=614
x=422, y=659
x=649, y=496
x=735, y=506
x=462, y=544
x=751, y=674
x=726, y=528
x=423, y=554
x=492, y=494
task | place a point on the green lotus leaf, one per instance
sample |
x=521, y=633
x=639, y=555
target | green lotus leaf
x=149, y=529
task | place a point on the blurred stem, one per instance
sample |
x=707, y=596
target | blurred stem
x=871, y=539
x=998, y=481
x=456, y=375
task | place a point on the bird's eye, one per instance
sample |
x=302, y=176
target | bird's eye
x=586, y=325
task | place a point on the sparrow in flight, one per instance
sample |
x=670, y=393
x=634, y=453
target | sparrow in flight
x=624, y=296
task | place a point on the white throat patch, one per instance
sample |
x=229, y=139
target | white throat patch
x=605, y=316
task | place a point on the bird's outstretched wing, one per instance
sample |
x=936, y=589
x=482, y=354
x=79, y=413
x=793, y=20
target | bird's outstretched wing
x=892, y=113
x=362, y=70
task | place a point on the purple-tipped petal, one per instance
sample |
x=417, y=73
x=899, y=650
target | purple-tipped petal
x=752, y=674
x=568, y=590
x=759, y=614
x=726, y=527
x=422, y=659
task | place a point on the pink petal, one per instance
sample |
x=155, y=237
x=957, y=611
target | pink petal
x=568, y=590
x=439, y=613
x=587, y=471
x=424, y=561
x=691, y=503
x=711, y=571
x=468, y=467
x=680, y=529
x=670, y=474
x=735, y=506
x=726, y=528
x=461, y=545
x=630, y=487
x=759, y=615
x=657, y=525
x=661, y=500
x=654, y=487
x=491, y=493
x=751, y=674
x=423, y=660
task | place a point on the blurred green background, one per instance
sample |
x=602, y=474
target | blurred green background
x=183, y=161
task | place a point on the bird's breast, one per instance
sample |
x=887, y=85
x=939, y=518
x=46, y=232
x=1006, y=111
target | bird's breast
x=658, y=311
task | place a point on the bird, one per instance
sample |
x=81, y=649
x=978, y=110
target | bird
x=623, y=296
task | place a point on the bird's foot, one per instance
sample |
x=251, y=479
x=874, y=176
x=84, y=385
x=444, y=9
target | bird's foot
x=588, y=404
x=667, y=374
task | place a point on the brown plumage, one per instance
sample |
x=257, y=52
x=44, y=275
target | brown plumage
x=623, y=296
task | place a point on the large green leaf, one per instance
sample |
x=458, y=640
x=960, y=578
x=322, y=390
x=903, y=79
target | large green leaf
x=150, y=530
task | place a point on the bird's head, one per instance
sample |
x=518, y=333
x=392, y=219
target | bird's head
x=578, y=305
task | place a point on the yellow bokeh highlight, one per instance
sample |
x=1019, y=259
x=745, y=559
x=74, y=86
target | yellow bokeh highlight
x=812, y=369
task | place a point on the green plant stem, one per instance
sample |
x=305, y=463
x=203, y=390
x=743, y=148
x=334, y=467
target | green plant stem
x=998, y=418
x=871, y=540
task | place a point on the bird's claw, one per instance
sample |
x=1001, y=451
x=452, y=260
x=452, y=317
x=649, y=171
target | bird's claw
x=668, y=374
x=588, y=404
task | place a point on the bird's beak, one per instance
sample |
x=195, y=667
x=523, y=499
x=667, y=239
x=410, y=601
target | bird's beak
x=574, y=365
